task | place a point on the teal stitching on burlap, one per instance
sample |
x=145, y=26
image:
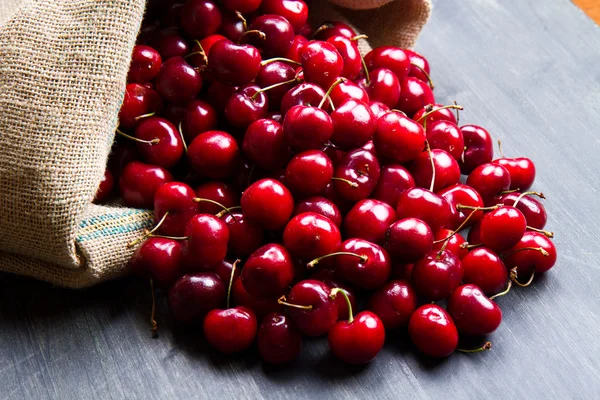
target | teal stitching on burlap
x=116, y=230
x=108, y=217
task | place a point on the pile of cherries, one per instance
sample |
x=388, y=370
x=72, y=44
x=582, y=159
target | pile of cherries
x=294, y=182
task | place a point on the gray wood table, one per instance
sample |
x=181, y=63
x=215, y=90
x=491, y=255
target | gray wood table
x=529, y=71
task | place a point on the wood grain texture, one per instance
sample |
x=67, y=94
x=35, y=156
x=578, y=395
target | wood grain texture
x=591, y=8
x=525, y=69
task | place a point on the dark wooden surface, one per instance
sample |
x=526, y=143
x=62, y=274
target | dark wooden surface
x=529, y=71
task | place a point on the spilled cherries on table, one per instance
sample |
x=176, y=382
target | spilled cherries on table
x=300, y=189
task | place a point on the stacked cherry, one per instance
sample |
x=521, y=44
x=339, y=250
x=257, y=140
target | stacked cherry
x=293, y=181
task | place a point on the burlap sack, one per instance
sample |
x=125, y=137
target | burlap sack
x=63, y=65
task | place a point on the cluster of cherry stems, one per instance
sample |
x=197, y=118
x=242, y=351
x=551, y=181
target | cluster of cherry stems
x=326, y=176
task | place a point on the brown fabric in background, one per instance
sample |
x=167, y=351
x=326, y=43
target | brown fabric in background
x=63, y=68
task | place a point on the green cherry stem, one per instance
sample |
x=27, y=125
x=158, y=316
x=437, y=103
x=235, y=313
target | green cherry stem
x=148, y=233
x=182, y=137
x=486, y=346
x=429, y=80
x=333, y=85
x=216, y=203
x=434, y=109
x=233, y=268
x=276, y=85
x=538, y=194
x=282, y=59
x=149, y=142
x=314, y=262
x=282, y=300
x=333, y=294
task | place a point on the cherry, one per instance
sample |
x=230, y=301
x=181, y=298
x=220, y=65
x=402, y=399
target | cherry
x=198, y=117
x=479, y=148
x=307, y=127
x=321, y=63
x=390, y=57
x=532, y=209
x=420, y=203
x=207, y=241
x=489, y=180
x=159, y=142
x=445, y=135
x=435, y=112
x=245, y=236
x=357, y=175
x=206, y=44
x=535, y=253
x=169, y=43
x=432, y=330
x=348, y=50
x=295, y=11
x=455, y=243
x=219, y=192
x=333, y=28
x=268, y=203
x=177, y=82
x=458, y=196
x=233, y=64
x=268, y=271
x=348, y=90
x=194, y=295
x=139, y=182
x=414, y=95
x=381, y=85
x=353, y=125
x=309, y=172
x=304, y=94
x=485, y=269
x=145, y=64
x=279, y=78
x=139, y=101
x=378, y=108
x=297, y=47
x=311, y=308
x=473, y=313
x=398, y=138
x=393, y=181
x=274, y=35
x=200, y=18
x=502, y=228
x=261, y=305
x=419, y=67
x=521, y=170
x=329, y=278
x=394, y=303
x=246, y=105
x=447, y=172
x=231, y=330
x=174, y=206
x=265, y=145
x=158, y=259
x=278, y=339
x=213, y=154
x=105, y=188
x=369, y=219
x=358, y=340
x=242, y=6
x=408, y=240
x=309, y=235
x=437, y=274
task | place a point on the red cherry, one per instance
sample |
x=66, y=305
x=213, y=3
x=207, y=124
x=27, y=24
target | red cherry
x=139, y=182
x=390, y=57
x=394, y=180
x=309, y=172
x=502, y=228
x=437, y=275
x=176, y=199
x=357, y=175
x=231, y=330
x=139, y=100
x=321, y=63
x=311, y=308
x=177, y=82
x=532, y=209
x=329, y=278
x=295, y=11
x=535, y=253
x=278, y=340
x=485, y=269
x=198, y=117
x=304, y=94
x=220, y=192
x=334, y=28
x=394, y=303
x=233, y=27
x=489, y=180
x=420, y=203
x=297, y=48
x=246, y=105
x=169, y=43
x=378, y=108
x=162, y=144
x=348, y=50
x=435, y=113
x=432, y=330
x=419, y=67
x=447, y=172
x=159, y=259
x=307, y=127
x=408, y=240
x=214, y=154
x=521, y=170
x=414, y=95
x=233, y=64
x=348, y=90
x=369, y=219
x=244, y=236
x=207, y=241
x=353, y=125
x=200, y=18
x=445, y=135
x=358, y=340
x=271, y=33
x=381, y=85
x=273, y=75
x=268, y=203
x=309, y=235
x=268, y=271
x=398, y=138
x=462, y=195
x=105, y=188
x=479, y=148
x=322, y=206
x=265, y=145
x=242, y=6
x=473, y=313
x=207, y=43
x=145, y=64
x=194, y=295
x=454, y=244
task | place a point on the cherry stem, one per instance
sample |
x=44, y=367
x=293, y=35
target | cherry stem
x=458, y=117
x=314, y=262
x=333, y=85
x=241, y=18
x=276, y=85
x=429, y=80
x=548, y=234
x=153, y=323
x=200, y=52
x=357, y=37
x=538, y=194
x=331, y=104
x=399, y=112
x=462, y=225
x=508, y=191
x=365, y=69
x=322, y=27
x=353, y=184
x=540, y=249
x=468, y=246
x=216, y=203
x=486, y=346
x=233, y=267
x=182, y=137
x=253, y=31
x=149, y=233
x=503, y=292
x=282, y=59
x=514, y=278
x=144, y=116
x=434, y=109
x=149, y=142
x=283, y=300
x=227, y=211
x=500, y=148
x=170, y=237
x=428, y=148
x=462, y=156
x=465, y=207
x=333, y=294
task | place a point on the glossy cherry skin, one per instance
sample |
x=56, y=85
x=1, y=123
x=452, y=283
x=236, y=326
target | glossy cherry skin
x=353, y=125
x=382, y=86
x=233, y=64
x=334, y=28
x=323, y=313
x=194, y=295
x=305, y=94
x=398, y=138
x=207, y=43
x=502, y=228
x=268, y=271
x=309, y=172
x=307, y=127
x=370, y=274
x=242, y=109
x=414, y=95
x=484, y=268
x=200, y=18
x=529, y=261
x=145, y=64
x=445, y=135
x=297, y=47
x=278, y=339
x=169, y=147
x=393, y=181
x=369, y=219
x=447, y=172
x=213, y=154
x=521, y=170
x=309, y=235
x=177, y=82
x=454, y=243
x=390, y=57
x=220, y=192
x=138, y=100
x=275, y=73
x=432, y=331
x=139, y=182
x=420, y=203
x=394, y=303
x=198, y=117
x=479, y=148
x=437, y=275
x=178, y=200
x=418, y=64
x=278, y=31
x=243, y=6
x=158, y=259
x=473, y=313
x=268, y=203
x=231, y=330
x=321, y=63
x=361, y=168
x=408, y=240
x=348, y=90
x=438, y=114
x=532, y=209
x=378, y=108
x=207, y=241
x=245, y=236
x=466, y=196
x=265, y=145
x=348, y=50
x=489, y=180
x=295, y=11
x=359, y=341
x=322, y=206
x=105, y=188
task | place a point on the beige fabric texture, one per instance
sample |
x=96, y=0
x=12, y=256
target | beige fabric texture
x=63, y=68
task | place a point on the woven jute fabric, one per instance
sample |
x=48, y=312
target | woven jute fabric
x=63, y=68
